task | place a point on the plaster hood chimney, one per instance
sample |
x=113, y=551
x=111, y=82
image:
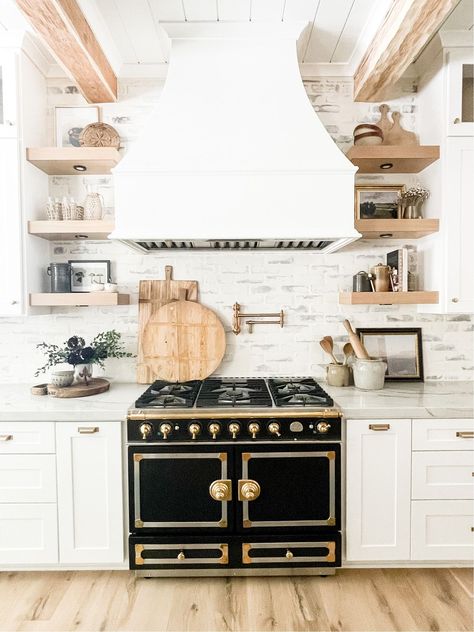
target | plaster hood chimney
x=234, y=155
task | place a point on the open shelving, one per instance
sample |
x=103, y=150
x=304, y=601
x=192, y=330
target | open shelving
x=70, y=161
x=70, y=230
x=388, y=298
x=78, y=299
x=392, y=158
x=396, y=228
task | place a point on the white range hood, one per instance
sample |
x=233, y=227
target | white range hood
x=234, y=155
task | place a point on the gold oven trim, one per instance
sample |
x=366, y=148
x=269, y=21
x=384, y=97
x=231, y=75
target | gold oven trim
x=288, y=553
x=203, y=413
x=181, y=558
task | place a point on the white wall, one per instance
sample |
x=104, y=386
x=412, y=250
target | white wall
x=305, y=285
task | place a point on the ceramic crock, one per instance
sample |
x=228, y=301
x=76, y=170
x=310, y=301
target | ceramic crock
x=369, y=375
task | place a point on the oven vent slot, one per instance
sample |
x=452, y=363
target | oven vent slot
x=242, y=244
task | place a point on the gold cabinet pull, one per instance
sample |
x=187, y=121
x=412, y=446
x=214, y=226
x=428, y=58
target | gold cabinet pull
x=248, y=490
x=289, y=555
x=379, y=427
x=181, y=556
x=221, y=490
x=6, y=437
x=465, y=434
x=87, y=429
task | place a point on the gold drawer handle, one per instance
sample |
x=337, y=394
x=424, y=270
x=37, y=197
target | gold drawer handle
x=221, y=490
x=467, y=434
x=87, y=429
x=248, y=490
x=6, y=437
x=379, y=427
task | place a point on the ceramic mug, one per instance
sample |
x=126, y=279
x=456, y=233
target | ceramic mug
x=338, y=374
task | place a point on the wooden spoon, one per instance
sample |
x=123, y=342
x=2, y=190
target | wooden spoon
x=348, y=352
x=328, y=347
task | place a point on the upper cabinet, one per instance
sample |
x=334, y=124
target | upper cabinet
x=460, y=92
x=8, y=95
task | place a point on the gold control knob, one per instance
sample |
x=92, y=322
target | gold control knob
x=323, y=427
x=234, y=429
x=165, y=430
x=289, y=555
x=194, y=429
x=214, y=429
x=274, y=429
x=181, y=556
x=254, y=429
x=146, y=430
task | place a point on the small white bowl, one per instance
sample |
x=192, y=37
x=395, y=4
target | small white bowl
x=62, y=378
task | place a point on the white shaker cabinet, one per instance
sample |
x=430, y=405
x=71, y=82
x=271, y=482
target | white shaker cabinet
x=378, y=490
x=90, y=506
x=8, y=94
x=460, y=91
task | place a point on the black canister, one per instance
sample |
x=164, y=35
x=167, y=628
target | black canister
x=361, y=282
x=60, y=274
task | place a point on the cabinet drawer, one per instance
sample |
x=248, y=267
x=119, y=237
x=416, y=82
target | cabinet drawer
x=28, y=534
x=443, y=475
x=146, y=553
x=442, y=530
x=443, y=434
x=289, y=552
x=18, y=437
x=27, y=478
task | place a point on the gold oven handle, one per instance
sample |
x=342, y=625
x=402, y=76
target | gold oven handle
x=248, y=490
x=221, y=490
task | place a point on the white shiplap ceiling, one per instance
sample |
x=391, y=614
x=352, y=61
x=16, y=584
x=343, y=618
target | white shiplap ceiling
x=337, y=33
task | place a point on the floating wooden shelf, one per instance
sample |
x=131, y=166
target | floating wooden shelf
x=61, y=161
x=388, y=298
x=80, y=299
x=403, y=158
x=70, y=230
x=396, y=228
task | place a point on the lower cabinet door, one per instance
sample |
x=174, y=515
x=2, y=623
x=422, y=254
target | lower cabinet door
x=442, y=530
x=90, y=505
x=28, y=534
x=378, y=489
x=445, y=474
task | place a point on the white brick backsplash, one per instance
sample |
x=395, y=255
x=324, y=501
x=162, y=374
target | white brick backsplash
x=304, y=284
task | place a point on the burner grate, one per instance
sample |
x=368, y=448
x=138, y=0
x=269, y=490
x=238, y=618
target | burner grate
x=234, y=392
x=162, y=394
x=303, y=391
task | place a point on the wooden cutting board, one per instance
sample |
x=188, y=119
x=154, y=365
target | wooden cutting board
x=153, y=295
x=184, y=341
x=94, y=387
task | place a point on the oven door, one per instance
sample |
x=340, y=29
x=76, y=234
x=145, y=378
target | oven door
x=296, y=488
x=175, y=489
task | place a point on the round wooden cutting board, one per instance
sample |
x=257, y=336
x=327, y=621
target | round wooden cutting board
x=183, y=341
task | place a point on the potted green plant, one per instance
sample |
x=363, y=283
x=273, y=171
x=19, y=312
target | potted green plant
x=82, y=357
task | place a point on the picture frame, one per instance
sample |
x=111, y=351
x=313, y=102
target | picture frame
x=377, y=201
x=400, y=347
x=85, y=274
x=71, y=120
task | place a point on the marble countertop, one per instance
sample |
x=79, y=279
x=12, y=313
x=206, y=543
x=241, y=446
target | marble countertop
x=410, y=401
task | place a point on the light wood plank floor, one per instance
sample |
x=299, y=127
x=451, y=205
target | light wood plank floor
x=355, y=600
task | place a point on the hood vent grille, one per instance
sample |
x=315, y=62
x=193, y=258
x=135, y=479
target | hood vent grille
x=242, y=244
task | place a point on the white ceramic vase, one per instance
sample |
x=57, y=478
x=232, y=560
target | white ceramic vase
x=83, y=373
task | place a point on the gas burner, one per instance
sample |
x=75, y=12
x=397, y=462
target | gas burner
x=294, y=387
x=301, y=399
x=217, y=392
x=302, y=391
x=162, y=394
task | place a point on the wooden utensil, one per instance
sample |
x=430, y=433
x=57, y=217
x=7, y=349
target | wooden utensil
x=328, y=347
x=348, y=352
x=183, y=341
x=359, y=349
x=153, y=295
x=94, y=387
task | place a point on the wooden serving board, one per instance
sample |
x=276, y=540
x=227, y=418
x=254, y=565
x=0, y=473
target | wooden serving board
x=153, y=295
x=184, y=341
x=94, y=387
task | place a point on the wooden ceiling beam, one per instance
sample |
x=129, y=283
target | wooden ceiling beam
x=67, y=34
x=406, y=29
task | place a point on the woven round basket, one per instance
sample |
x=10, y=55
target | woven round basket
x=99, y=135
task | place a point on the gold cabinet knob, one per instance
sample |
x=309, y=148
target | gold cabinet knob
x=181, y=556
x=289, y=555
x=455, y=300
x=214, y=429
x=234, y=429
x=274, y=429
x=248, y=490
x=194, y=430
x=165, y=430
x=146, y=430
x=221, y=490
x=323, y=427
x=254, y=429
